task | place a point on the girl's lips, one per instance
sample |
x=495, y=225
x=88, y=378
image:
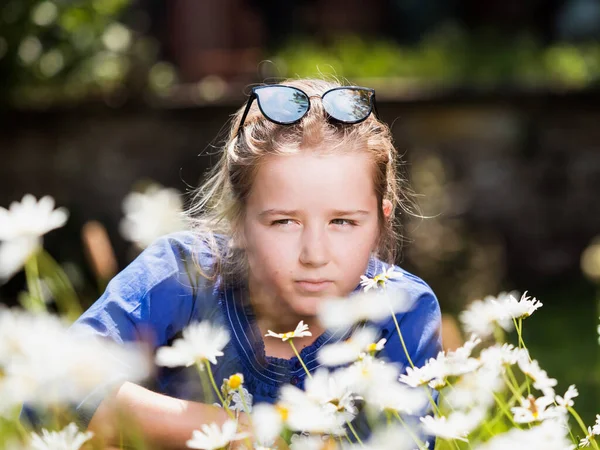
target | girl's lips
x=313, y=286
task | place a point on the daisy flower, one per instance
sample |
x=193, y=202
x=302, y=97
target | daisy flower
x=374, y=306
x=302, y=413
x=567, y=400
x=213, y=437
x=379, y=281
x=535, y=409
x=331, y=390
x=69, y=438
x=22, y=226
x=300, y=331
x=457, y=425
x=201, y=342
x=150, y=214
x=541, y=380
x=547, y=435
x=361, y=342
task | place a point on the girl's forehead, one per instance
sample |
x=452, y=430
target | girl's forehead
x=313, y=180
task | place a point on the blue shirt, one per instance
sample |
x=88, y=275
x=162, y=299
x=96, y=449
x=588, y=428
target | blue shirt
x=162, y=291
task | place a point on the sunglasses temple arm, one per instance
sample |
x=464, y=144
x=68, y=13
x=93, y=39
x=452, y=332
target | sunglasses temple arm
x=375, y=107
x=241, y=125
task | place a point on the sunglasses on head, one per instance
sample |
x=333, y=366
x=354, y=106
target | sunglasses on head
x=287, y=105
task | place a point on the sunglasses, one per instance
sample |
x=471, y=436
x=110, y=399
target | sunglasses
x=287, y=105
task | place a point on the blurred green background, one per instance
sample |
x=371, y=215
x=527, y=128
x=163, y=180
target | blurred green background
x=493, y=105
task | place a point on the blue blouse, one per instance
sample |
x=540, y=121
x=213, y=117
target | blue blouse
x=162, y=291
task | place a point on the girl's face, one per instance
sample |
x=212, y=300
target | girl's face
x=311, y=223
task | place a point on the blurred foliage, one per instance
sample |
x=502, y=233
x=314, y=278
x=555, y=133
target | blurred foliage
x=447, y=56
x=70, y=50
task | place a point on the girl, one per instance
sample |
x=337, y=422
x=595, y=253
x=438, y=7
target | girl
x=302, y=203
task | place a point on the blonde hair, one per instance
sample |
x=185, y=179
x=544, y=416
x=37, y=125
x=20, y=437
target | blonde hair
x=217, y=206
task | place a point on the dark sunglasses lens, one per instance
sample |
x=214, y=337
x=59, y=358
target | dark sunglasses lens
x=283, y=104
x=348, y=105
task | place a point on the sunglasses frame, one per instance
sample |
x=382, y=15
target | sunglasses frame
x=254, y=96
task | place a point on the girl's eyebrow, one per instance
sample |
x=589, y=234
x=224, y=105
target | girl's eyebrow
x=277, y=212
x=285, y=212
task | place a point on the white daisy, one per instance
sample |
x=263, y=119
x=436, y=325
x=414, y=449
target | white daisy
x=304, y=414
x=374, y=306
x=150, y=214
x=436, y=370
x=356, y=346
x=30, y=218
x=541, y=380
x=567, y=400
x=267, y=423
x=22, y=227
x=331, y=389
x=69, y=438
x=51, y=364
x=213, y=437
x=457, y=425
x=535, y=410
x=201, y=342
x=379, y=281
x=300, y=331
x=548, y=436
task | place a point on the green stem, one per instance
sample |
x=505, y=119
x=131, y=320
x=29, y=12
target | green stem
x=216, y=389
x=414, y=437
x=69, y=302
x=291, y=341
x=400, y=334
x=206, y=387
x=33, y=283
x=354, y=433
x=504, y=409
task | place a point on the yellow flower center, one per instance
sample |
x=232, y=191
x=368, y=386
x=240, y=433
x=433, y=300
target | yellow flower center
x=372, y=347
x=283, y=412
x=288, y=335
x=235, y=381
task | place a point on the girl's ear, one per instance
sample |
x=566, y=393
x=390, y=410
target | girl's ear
x=387, y=208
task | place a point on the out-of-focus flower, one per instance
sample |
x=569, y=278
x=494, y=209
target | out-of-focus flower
x=213, y=437
x=457, y=425
x=304, y=414
x=22, y=226
x=375, y=306
x=548, y=435
x=361, y=342
x=45, y=364
x=200, y=342
x=380, y=280
x=541, y=380
x=392, y=437
x=150, y=214
x=482, y=316
x=436, y=370
x=267, y=422
x=69, y=438
x=331, y=390
x=535, y=410
x=300, y=331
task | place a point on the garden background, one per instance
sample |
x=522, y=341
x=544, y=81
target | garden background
x=493, y=104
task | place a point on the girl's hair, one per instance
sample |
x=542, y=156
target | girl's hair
x=218, y=205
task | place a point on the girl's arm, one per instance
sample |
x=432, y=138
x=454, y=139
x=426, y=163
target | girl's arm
x=164, y=422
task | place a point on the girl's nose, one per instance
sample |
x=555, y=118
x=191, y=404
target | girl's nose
x=314, y=251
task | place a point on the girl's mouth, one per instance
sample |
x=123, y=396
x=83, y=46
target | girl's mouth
x=313, y=285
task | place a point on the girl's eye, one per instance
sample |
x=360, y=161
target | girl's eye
x=282, y=222
x=344, y=222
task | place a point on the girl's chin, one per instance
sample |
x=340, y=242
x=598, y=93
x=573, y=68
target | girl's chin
x=305, y=305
